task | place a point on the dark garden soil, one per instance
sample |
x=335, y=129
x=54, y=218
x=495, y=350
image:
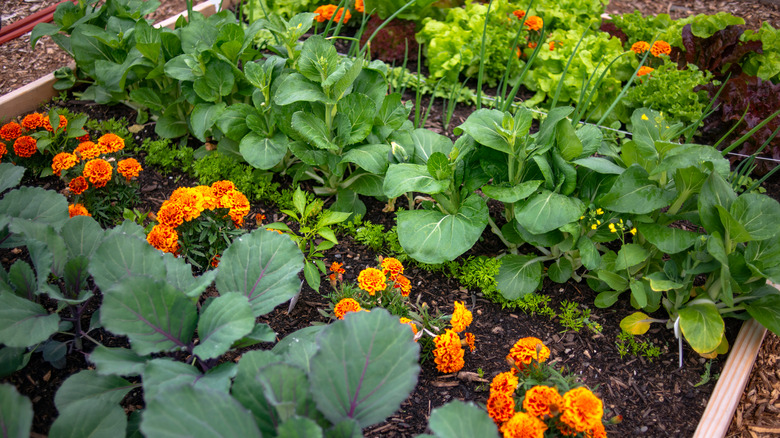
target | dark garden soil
x=655, y=398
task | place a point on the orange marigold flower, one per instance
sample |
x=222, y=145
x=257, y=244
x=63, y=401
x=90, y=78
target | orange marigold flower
x=129, y=168
x=410, y=322
x=324, y=13
x=500, y=407
x=532, y=45
x=25, y=146
x=404, y=284
x=259, y=218
x=542, y=401
x=534, y=22
x=581, y=409
x=63, y=161
x=215, y=260
x=372, y=280
x=170, y=214
x=359, y=6
x=470, y=340
x=345, y=12
x=660, y=48
x=504, y=383
x=87, y=150
x=238, y=205
x=337, y=268
x=98, y=171
x=345, y=306
x=598, y=431
x=644, y=70
x=10, y=131
x=164, y=238
x=448, y=354
x=110, y=143
x=207, y=199
x=190, y=201
x=78, y=210
x=3, y=150
x=640, y=47
x=552, y=45
x=32, y=121
x=519, y=14
x=522, y=425
x=83, y=138
x=527, y=349
x=461, y=317
x=392, y=267
x=222, y=187
x=78, y=185
x=47, y=123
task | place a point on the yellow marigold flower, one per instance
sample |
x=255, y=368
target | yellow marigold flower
x=32, y=121
x=448, y=353
x=505, y=383
x=534, y=23
x=110, y=143
x=410, y=322
x=461, y=317
x=239, y=206
x=171, y=214
x=78, y=185
x=470, y=340
x=392, y=267
x=500, y=407
x=345, y=306
x=372, y=280
x=207, y=199
x=542, y=401
x=581, y=409
x=222, y=187
x=660, y=48
x=640, y=47
x=190, y=201
x=77, y=210
x=98, y=171
x=87, y=150
x=404, y=284
x=526, y=350
x=25, y=146
x=519, y=14
x=359, y=6
x=633, y=231
x=129, y=168
x=63, y=161
x=47, y=123
x=612, y=228
x=644, y=70
x=10, y=131
x=522, y=425
x=164, y=238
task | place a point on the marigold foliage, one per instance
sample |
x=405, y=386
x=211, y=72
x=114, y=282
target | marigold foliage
x=77, y=210
x=345, y=306
x=581, y=409
x=448, y=353
x=372, y=280
x=10, y=131
x=522, y=425
x=461, y=317
x=25, y=146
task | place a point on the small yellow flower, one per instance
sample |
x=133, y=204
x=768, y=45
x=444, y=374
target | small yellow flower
x=612, y=228
x=598, y=222
x=633, y=231
x=593, y=227
x=599, y=211
x=644, y=117
x=582, y=217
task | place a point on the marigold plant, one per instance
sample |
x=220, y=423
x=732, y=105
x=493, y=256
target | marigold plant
x=527, y=350
x=534, y=23
x=644, y=70
x=542, y=401
x=3, y=151
x=129, y=168
x=582, y=410
x=164, y=238
x=345, y=306
x=410, y=323
x=78, y=185
x=63, y=161
x=392, y=267
x=519, y=14
x=500, y=407
x=372, y=280
x=25, y=146
x=77, y=210
x=98, y=171
x=32, y=121
x=448, y=354
x=523, y=425
x=10, y=131
x=326, y=12
x=87, y=150
x=504, y=383
x=46, y=124
x=660, y=48
x=640, y=47
x=461, y=317
x=359, y=6
x=110, y=143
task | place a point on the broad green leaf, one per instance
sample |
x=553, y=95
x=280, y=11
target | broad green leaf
x=249, y=391
x=312, y=275
x=638, y=293
x=23, y=322
x=518, y=276
x=548, y=127
x=179, y=275
x=313, y=130
x=13, y=360
x=10, y=176
x=509, y=195
x=636, y=323
x=37, y=205
x=484, y=125
x=164, y=375
x=181, y=67
x=89, y=387
x=430, y=236
x=120, y=257
x=600, y=165
x=667, y=239
x=232, y=122
x=299, y=347
x=715, y=191
x=22, y=279
x=318, y=59
x=151, y=313
x=591, y=138
x=590, y=256
x=403, y=178
x=46, y=246
x=227, y=319
x=659, y=282
x=758, y=214
x=607, y=298
x=197, y=413
x=547, y=211
x=264, y=266
x=85, y=419
x=613, y=280
x=424, y=143
x=286, y=387
x=82, y=236
x=567, y=141
x=457, y=419
x=702, y=326
x=169, y=126
x=634, y=193
x=263, y=152
x=630, y=254
x=16, y=412
x=300, y=427
x=366, y=366
x=439, y=166
x=342, y=83
x=117, y=361
x=766, y=310
x=260, y=333
x=217, y=83
x=203, y=117
x=763, y=257
x=296, y=88
x=371, y=157
x=692, y=155
x=560, y=271
x=733, y=228
x=148, y=98
x=355, y=119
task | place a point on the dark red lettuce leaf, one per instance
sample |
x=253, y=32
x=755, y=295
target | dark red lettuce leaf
x=389, y=44
x=610, y=28
x=721, y=53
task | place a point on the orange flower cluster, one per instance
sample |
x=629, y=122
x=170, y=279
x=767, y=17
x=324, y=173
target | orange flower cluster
x=582, y=410
x=63, y=161
x=526, y=350
x=372, y=280
x=470, y=341
x=10, y=131
x=46, y=123
x=87, y=150
x=164, y=238
x=392, y=268
x=523, y=425
x=129, y=168
x=461, y=317
x=448, y=353
x=77, y=210
x=337, y=270
x=660, y=48
x=404, y=284
x=534, y=22
x=3, y=151
x=500, y=407
x=410, y=323
x=345, y=306
x=326, y=12
x=25, y=146
x=98, y=171
x=542, y=401
x=78, y=185
x=644, y=70
x=519, y=14
x=359, y=6
x=32, y=121
x=640, y=47
x=110, y=143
